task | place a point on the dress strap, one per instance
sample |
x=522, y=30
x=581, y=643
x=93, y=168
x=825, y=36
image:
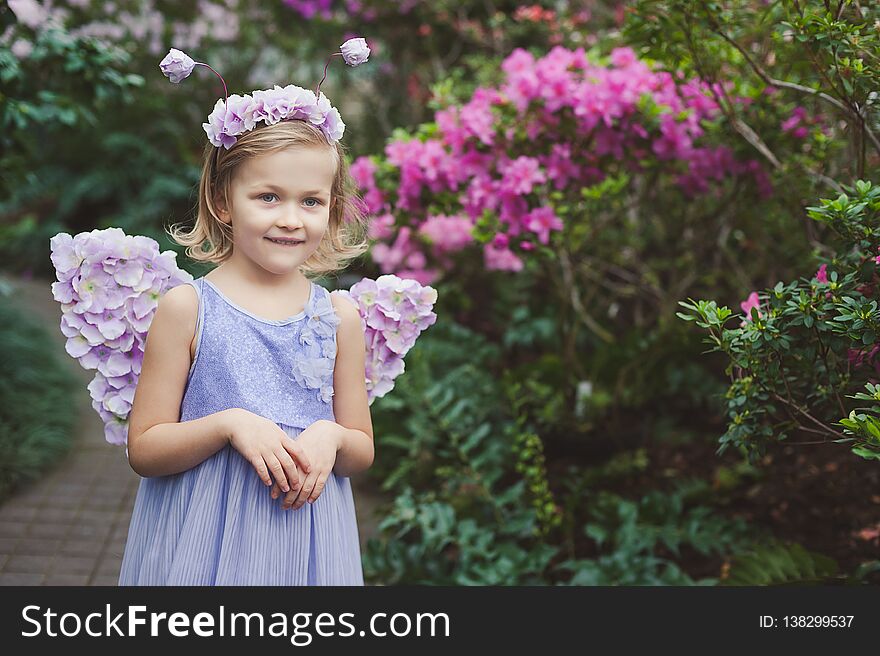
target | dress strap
x=198, y=285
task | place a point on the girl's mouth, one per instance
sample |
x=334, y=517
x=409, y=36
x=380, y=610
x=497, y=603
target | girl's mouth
x=284, y=242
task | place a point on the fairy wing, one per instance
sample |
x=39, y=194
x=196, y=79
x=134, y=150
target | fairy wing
x=109, y=285
x=394, y=311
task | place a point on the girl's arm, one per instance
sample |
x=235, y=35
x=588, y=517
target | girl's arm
x=350, y=402
x=160, y=444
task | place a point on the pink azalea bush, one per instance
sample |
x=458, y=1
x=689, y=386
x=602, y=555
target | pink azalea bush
x=509, y=160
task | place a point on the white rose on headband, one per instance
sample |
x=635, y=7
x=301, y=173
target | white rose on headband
x=355, y=51
x=177, y=65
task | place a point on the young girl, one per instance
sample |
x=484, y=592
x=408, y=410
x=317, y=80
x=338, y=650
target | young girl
x=251, y=409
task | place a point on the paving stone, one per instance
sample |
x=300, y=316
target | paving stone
x=58, y=515
x=105, y=580
x=32, y=493
x=95, y=517
x=120, y=530
x=12, y=530
x=71, y=489
x=85, y=461
x=108, y=488
x=48, y=530
x=20, y=579
x=27, y=564
x=110, y=565
x=38, y=546
x=81, y=547
x=121, y=478
x=74, y=564
x=105, y=505
x=94, y=531
x=71, y=503
x=66, y=579
x=15, y=512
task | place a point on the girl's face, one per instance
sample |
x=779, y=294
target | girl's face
x=285, y=194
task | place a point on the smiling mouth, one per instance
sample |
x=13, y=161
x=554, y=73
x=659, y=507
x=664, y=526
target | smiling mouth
x=285, y=242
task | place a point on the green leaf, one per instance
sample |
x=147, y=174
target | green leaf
x=866, y=453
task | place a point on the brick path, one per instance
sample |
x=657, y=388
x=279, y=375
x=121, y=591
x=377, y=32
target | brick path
x=70, y=527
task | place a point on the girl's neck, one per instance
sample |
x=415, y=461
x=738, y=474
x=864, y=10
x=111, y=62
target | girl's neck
x=249, y=277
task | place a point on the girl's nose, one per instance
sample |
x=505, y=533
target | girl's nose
x=292, y=219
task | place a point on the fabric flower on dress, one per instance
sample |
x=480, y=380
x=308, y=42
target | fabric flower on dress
x=317, y=360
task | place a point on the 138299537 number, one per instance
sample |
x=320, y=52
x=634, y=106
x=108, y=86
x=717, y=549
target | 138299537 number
x=817, y=621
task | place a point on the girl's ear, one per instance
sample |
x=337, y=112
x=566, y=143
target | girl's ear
x=222, y=209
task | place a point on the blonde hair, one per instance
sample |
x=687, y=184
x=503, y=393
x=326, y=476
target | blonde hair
x=210, y=239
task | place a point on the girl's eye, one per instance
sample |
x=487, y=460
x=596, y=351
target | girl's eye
x=314, y=199
x=262, y=196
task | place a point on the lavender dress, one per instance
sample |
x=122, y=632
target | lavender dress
x=216, y=524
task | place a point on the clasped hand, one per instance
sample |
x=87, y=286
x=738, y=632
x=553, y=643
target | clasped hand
x=320, y=442
x=268, y=448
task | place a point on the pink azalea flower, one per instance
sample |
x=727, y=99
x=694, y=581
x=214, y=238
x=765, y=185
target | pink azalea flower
x=522, y=174
x=541, y=221
x=751, y=302
x=447, y=233
x=501, y=259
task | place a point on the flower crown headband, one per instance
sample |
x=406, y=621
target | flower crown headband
x=238, y=114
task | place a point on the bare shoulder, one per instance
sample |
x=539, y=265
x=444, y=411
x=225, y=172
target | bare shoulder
x=350, y=328
x=179, y=309
x=344, y=307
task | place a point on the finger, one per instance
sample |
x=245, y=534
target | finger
x=293, y=496
x=275, y=490
x=297, y=452
x=300, y=501
x=277, y=470
x=293, y=477
x=319, y=487
x=261, y=469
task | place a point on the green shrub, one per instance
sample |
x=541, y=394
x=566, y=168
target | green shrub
x=36, y=412
x=462, y=515
x=640, y=542
x=809, y=342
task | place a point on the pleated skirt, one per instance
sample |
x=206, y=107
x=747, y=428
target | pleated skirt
x=216, y=524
